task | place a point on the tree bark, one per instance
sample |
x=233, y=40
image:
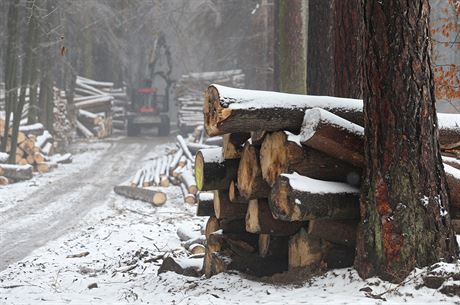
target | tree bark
x=404, y=204
x=292, y=45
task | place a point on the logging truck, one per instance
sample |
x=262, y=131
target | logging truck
x=148, y=109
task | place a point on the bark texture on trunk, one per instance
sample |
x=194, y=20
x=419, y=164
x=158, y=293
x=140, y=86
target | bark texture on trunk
x=405, y=220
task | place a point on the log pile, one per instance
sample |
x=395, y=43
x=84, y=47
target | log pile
x=286, y=181
x=176, y=168
x=93, y=108
x=63, y=130
x=34, y=153
x=189, y=94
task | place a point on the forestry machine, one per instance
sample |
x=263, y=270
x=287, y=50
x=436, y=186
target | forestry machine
x=149, y=108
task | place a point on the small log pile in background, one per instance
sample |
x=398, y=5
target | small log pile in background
x=282, y=201
x=189, y=95
x=94, y=109
x=34, y=153
x=174, y=168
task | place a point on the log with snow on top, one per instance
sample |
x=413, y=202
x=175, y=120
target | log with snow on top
x=94, y=83
x=453, y=181
x=89, y=117
x=212, y=171
x=16, y=172
x=43, y=139
x=228, y=110
x=281, y=152
x=299, y=198
x=36, y=129
x=188, y=197
x=195, y=147
x=80, y=84
x=205, y=204
x=337, y=137
x=151, y=195
x=188, y=179
x=184, y=147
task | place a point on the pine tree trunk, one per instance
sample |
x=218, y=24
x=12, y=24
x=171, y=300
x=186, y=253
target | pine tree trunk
x=405, y=220
x=292, y=45
x=10, y=69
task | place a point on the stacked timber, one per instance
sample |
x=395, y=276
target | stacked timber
x=286, y=180
x=34, y=152
x=63, y=130
x=175, y=168
x=93, y=108
x=189, y=94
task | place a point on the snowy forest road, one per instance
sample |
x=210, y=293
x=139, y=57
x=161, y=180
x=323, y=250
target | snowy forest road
x=52, y=210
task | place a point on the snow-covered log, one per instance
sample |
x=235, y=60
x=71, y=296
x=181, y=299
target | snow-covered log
x=4, y=157
x=184, y=147
x=281, y=153
x=16, y=172
x=296, y=197
x=337, y=137
x=205, y=206
x=35, y=129
x=212, y=171
x=228, y=110
x=188, y=179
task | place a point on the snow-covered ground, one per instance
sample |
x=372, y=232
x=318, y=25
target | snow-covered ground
x=118, y=246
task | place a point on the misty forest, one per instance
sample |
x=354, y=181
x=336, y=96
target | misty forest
x=229, y=152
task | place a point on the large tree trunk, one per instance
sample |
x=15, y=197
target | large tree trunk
x=10, y=69
x=292, y=45
x=405, y=220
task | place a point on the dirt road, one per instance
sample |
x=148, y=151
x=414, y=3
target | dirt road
x=51, y=211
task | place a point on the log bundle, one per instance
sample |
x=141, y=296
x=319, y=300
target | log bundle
x=189, y=94
x=93, y=104
x=286, y=180
x=175, y=168
x=34, y=153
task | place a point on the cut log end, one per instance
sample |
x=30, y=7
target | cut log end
x=159, y=198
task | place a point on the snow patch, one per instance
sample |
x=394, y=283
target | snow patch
x=306, y=184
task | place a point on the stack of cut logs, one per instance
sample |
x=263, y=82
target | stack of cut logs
x=34, y=152
x=174, y=168
x=189, y=95
x=119, y=108
x=285, y=184
x=93, y=107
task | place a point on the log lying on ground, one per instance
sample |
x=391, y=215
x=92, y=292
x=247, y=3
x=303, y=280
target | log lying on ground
x=250, y=181
x=334, y=136
x=281, y=153
x=233, y=144
x=183, y=145
x=449, y=130
x=148, y=195
x=45, y=167
x=189, y=180
x=84, y=131
x=224, y=208
x=342, y=232
x=296, y=197
x=212, y=171
x=188, y=197
x=16, y=172
x=259, y=220
x=205, y=206
x=228, y=110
